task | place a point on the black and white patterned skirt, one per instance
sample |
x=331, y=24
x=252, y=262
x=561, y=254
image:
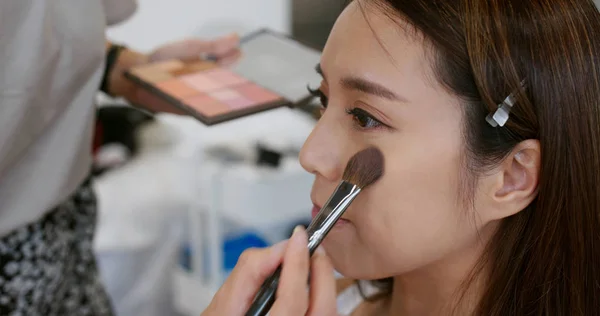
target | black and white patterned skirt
x=48, y=267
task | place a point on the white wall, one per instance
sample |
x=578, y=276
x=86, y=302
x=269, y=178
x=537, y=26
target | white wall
x=159, y=21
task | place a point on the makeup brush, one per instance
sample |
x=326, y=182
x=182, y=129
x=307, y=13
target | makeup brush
x=362, y=170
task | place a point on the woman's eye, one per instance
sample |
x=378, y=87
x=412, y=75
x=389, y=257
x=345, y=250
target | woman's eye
x=363, y=119
x=319, y=94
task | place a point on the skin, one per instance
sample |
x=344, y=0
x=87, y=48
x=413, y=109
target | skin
x=411, y=225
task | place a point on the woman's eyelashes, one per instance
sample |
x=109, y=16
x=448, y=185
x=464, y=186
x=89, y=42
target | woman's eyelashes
x=361, y=118
x=317, y=93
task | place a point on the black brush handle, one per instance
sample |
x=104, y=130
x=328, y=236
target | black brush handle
x=266, y=296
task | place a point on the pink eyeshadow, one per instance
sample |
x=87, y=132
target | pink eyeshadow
x=257, y=93
x=240, y=103
x=207, y=105
x=177, y=88
x=201, y=82
x=226, y=77
x=225, y=94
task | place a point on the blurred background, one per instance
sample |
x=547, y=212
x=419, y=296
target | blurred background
x=180, y=201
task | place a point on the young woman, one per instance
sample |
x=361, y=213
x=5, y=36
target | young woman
x=487, y=113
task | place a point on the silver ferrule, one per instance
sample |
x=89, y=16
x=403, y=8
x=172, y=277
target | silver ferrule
x=329, y=214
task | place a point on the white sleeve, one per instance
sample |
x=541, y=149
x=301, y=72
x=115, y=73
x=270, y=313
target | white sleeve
x=119, y=10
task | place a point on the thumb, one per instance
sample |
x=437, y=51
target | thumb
x=193, y=48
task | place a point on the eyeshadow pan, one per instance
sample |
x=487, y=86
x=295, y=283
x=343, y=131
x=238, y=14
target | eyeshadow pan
x=232, y=98
x=151, y=75
x=225, y=94
x=177, y=88
x=240, y=103
x=226, y=77
x=207, y=105
x=201, y=82
x=257, y=93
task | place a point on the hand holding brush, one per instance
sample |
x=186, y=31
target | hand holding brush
x=362, y=170
x=255, y=265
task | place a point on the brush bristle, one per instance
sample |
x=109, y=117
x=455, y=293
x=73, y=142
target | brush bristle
x=365, y=167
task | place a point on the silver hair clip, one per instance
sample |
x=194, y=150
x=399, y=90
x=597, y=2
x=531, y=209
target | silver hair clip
x=500, y=116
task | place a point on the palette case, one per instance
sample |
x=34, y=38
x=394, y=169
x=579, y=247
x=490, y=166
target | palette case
x=214, y=94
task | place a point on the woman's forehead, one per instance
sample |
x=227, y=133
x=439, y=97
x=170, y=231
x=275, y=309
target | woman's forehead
x=368, y=43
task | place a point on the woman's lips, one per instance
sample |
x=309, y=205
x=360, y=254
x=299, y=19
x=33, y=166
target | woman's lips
x=316, y=209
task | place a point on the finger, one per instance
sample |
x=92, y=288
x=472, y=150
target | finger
x=191, y=49
x=218, y=47
x=230, y=58
x=227, y=44
x=322, y=285
x=292, y=293
x=253, y=267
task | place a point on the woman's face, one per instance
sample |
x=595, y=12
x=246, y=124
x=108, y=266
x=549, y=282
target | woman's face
x=379, y=90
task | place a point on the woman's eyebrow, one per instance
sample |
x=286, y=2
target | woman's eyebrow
x=365, y=86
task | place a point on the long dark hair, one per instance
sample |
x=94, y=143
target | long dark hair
x=545, y=260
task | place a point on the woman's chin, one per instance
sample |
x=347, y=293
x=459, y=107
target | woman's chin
x=356, y=273
x=345, y=261
x=353, y=262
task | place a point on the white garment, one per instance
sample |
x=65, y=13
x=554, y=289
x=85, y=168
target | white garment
x=351, y=298
x=51, y=63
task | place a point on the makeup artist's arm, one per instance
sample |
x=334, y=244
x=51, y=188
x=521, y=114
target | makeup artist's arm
x=224, y=49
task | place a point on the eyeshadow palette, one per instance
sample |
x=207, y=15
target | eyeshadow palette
x=210, y=93
x=264, y=78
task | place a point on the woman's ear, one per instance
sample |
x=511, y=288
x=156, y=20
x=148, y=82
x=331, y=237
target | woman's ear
x=515, y=182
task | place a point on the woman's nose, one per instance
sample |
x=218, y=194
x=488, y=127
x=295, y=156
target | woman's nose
x=322, y=152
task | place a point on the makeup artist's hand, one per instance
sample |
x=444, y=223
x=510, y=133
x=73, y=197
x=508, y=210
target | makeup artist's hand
x=293, y=297
x=224, y=49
